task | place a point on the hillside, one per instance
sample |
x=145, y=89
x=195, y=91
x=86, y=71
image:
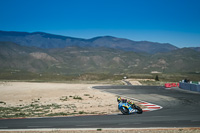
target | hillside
x=195, y=48
x=45, y=40
x=181, y=60
x=79, y=60
x=16, y=57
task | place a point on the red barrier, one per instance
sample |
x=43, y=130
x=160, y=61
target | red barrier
x=178, y=84
x=167, y=85
x=173, y=84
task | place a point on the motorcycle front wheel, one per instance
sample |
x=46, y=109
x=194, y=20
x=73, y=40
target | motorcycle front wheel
x=140, y=111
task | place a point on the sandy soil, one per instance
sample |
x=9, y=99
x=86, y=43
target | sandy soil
x=67, y=98
x=133, y=81
x=159, y=130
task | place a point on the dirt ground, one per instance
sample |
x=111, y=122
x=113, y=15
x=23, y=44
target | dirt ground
x=133, y=82
x=161, y=130
x=18, y=99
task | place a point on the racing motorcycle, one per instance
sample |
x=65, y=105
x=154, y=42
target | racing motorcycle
x=127, y=108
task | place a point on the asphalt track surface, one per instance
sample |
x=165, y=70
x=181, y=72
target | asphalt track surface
x=180, y=109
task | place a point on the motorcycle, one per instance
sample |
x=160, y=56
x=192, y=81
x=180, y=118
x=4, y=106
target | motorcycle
x=127, y=108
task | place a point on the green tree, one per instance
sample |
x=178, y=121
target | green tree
x=156, y=78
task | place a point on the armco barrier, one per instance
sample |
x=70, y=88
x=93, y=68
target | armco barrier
x=188, y=86
x=193, y=87
x=198, y=88
x=180, y=85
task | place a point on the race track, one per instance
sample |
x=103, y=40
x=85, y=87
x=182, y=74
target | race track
x=180, y=109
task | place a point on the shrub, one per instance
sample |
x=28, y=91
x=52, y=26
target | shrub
x=77, y=97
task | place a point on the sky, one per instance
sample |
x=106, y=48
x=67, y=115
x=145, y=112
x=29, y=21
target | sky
x=165, y=21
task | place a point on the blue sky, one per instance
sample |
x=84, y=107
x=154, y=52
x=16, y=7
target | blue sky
x=166, y=21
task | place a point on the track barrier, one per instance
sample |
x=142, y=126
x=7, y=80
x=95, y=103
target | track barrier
x=173, y=84
x=178, y=84
x=169, y=85
x=185, y=86
x=190, y=86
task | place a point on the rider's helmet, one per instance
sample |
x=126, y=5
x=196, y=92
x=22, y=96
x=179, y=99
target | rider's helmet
x=129, y=102
x=119, y=99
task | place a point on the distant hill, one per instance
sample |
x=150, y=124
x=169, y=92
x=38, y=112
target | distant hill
x=78, y=60
x=16, y=57
x=45, y=40
x=181, y=60
x=195, y=48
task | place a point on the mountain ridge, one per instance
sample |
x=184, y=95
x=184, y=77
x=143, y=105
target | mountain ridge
x=46, y=40
x=40, y=52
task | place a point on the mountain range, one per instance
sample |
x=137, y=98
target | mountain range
x=47, y=53
x=45, y=40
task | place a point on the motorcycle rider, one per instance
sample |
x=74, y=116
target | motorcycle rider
x=135, y=109
x=131, y=103
x=119, y=99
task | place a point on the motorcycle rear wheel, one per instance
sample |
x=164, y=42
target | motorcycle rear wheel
x=124, y=111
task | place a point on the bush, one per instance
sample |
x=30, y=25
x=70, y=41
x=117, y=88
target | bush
x=156, y=78
x=77, y=97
